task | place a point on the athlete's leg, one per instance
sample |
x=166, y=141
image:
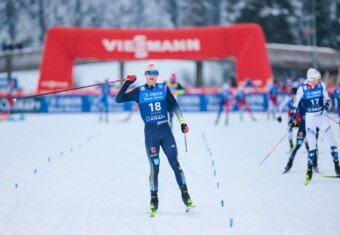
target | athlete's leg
x=220, y=109
x=290, y=139
x=300, y=136
x=249, y=111
x=227, y=110
x=326, y=129
x=152, y=150
x=106, y=110
x=169, y=147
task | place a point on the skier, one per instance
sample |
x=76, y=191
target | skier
x=176, y=89
x=153, y=100
x=315, y=99
x=241, y=102
x=301, y=133
x=289, y=100
x=225, y=97
x=336, y=94
x=103, y=104
x=272, y=98
x=8, y=115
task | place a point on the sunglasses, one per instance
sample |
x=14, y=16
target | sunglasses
x=155, y=73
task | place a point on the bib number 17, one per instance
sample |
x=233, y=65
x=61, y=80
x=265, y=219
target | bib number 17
x=315, y=101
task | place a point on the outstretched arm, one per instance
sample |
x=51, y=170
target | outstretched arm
x=122, y=96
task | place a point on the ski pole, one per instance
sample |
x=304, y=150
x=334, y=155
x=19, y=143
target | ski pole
x=71, y=89
x=185, y=142
x=273, y=149
x=333, y=119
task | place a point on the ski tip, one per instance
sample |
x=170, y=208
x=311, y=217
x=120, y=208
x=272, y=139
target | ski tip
x=190, y=207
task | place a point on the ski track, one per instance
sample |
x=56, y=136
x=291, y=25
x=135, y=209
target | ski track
x=96, y=181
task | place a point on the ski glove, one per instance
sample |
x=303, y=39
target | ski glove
x=185, y=128
x=279, y=119
x=291, y=123
x=326, y=106
x=131, y=78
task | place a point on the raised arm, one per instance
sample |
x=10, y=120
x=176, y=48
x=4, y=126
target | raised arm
x=133, y=95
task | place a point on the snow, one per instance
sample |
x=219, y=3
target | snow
x=70, y=174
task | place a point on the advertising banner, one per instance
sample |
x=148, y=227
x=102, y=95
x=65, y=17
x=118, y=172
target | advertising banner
x=258, y=102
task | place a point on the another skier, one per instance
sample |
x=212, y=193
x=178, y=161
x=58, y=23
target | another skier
x=176, y=89
x=315, y=99
x=301, y=133
x=225, y=98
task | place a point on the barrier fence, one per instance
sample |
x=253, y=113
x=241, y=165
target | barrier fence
x=258, y=102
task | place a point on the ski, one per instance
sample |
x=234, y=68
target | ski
x=328, y=176
x=189, y=208
x=285, y=171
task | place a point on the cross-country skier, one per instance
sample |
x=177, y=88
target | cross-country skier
x=315, y=99
x=153, y=100
x=176, y=89
x=273, y=92
x=301, y=133
x=103, y=104
x=225, y=98
x=336, y=94
x=241, y=102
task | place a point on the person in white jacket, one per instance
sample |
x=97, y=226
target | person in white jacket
x=315, y=99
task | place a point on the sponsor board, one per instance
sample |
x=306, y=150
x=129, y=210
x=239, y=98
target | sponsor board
x=258, y=102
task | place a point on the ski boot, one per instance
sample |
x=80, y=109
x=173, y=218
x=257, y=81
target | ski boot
x=315, y=165
x=289, y=165
x=309, y=175
x=337, y=168
x=186, y=198
x=154, y=203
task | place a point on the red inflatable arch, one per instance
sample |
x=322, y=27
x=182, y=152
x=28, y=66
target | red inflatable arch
x=245, y=42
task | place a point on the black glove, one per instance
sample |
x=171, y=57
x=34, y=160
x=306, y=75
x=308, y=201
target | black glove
x=326, y=106
x=131, y=78
x=185, y=128
x=279, y=119
x=291, y=123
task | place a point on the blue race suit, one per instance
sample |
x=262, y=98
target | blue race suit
x=103, y=98
x=153, y=102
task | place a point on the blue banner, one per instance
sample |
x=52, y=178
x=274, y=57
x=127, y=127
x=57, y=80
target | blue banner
x=258, y=102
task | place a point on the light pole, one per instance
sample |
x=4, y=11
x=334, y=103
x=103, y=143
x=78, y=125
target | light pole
x=315, y=59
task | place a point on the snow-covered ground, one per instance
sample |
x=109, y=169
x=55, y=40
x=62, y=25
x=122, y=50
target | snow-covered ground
x=70, y=175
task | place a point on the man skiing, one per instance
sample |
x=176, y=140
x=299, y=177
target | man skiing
x=177, y=89
x=153, y=100
x=273, y=92
x=240, y=97
x=314, y=97
x=301, y=133
x=225, y=98
x=103, y=104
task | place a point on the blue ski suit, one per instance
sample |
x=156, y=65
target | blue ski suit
x=153, y=102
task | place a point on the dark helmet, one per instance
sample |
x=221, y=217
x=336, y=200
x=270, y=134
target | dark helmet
x=293, y=91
